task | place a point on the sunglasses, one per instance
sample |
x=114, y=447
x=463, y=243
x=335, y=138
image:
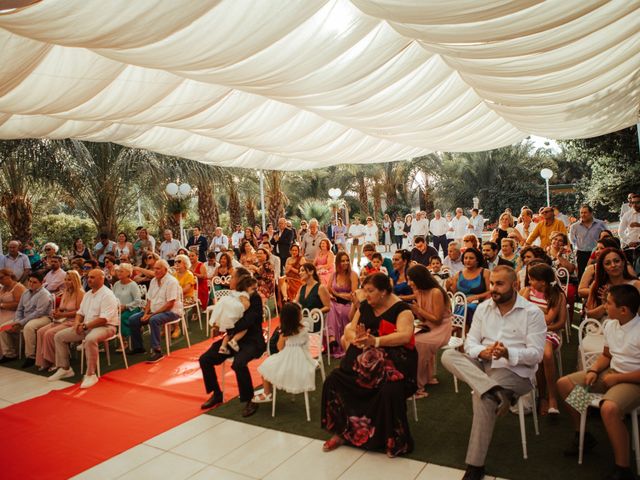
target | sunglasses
x=86, y=267
x=149, y=257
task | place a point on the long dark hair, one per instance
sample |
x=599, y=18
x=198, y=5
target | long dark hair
x=421, y=276
x=602, y=277
x=542, y=272
x=339, y=256
x=311, y=269
x=290, y=319
x=476, y=253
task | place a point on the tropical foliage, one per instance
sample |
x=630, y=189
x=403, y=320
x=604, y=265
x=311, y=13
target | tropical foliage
x=112, y=187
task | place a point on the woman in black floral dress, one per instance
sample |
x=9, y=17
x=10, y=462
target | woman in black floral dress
x=364, y=400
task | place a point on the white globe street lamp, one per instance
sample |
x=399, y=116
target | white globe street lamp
x=547, y=173
x=335, y=193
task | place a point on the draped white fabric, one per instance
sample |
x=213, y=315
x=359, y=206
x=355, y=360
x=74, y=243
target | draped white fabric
x=297, y=84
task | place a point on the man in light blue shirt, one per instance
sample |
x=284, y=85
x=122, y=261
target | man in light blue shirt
x=476, y=224
x=33, y=312
x=584, y=235
x=16, y=261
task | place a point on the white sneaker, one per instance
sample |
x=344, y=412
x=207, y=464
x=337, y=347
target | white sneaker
x=89, y=381
x=61, y=373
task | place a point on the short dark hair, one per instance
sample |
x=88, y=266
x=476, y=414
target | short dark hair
x=588, y=207
x=625, y=296
x=92, y=262
x=104, y=235
x=379, y=281
x=493, y=245
x=435, y=257
x=369, y=247
x=475, y=210
x=37, y=275
x=377, y=256
x=418, y=239
x=476, y=253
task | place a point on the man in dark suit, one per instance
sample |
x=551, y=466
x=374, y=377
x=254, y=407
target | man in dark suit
x=490, y=254
x=252, y=345
x=200, y=241
x=282, y=240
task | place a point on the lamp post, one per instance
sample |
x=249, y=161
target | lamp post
x=335, y=193
x=261, y=178
x=179, y=190
x=476, y=202
x=546, y=173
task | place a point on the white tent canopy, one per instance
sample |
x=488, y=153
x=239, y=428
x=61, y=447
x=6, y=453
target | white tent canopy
x=296, y=84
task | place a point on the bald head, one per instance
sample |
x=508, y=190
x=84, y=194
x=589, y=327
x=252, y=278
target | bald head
x=95, y=279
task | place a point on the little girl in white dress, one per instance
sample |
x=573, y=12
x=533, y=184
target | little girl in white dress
x=228, y=310
x=292, y=369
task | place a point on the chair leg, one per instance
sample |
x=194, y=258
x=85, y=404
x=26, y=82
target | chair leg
x=199, y=313
x=108, y=351
x=273, y=401
x=636, y=438
x=583, y=425
x=523, y=433
x=124, y=353
x=306, y=405
x=167, y=338
x=534, y=412
x=82, y=358
x=186, y=332
x=321, y=366
x=97, y=365
x=415, y=408
x=224, y=368
x=328, y=352
x=455, y=383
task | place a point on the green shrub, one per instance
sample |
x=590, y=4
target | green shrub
x=63, y=229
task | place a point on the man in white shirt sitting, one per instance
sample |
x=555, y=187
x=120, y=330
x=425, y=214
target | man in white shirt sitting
x=459, y=225
x=169, y=247
x=453, y=261
x=163, y=305
x=219, y=241
x=502, y=351
x=616, y=374
x=438, y=228
x=96, y=320
x=54, y=279
x=629, y=230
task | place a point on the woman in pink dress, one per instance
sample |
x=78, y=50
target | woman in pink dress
x=63, y=317
x=433, y=311
x=324, y=262
x=343, y=283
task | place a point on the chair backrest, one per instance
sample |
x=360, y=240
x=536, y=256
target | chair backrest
x=311, y=318
x=589, y=327
x=459, y=308
x=221, y=280
x=562, y=275
x=218, y=294
x=143, y=291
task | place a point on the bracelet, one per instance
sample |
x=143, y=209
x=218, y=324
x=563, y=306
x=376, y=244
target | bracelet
x=377, y=342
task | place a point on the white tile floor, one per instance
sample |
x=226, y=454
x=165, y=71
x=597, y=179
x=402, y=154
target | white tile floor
x=209, y=447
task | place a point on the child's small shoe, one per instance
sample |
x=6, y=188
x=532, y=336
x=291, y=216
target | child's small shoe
x=223, y=349
x=234, y=345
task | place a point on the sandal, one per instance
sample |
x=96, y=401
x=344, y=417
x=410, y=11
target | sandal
x=333, y=443
x=433, y=381
x=262, y=398
x=421, y=394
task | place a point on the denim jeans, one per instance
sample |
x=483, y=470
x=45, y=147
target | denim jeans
x=155, y=322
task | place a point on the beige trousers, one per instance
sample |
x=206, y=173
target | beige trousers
x=91, y=339
x=8, y=341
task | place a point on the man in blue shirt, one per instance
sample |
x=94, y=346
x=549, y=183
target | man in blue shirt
x=584, y=235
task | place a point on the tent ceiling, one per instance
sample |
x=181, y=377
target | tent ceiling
x=289, y=84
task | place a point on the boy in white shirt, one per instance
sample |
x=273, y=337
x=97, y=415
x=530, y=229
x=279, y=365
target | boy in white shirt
x=616, y=374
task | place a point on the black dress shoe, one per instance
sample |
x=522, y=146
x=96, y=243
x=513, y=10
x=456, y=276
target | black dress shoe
x=589, y=443
x=249, y=409
x=621, y=473
x=6, y=359
x=29, y=362
x=135, y=351
x=473, y=473
x=213, y=400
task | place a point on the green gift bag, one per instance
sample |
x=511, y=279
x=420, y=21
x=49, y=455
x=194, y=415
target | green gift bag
x=580, y=398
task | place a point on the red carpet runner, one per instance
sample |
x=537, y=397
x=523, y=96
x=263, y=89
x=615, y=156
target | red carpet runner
x=65, y=432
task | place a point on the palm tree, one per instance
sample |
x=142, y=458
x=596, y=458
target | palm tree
x=316, y=209
x=22, y=168
x=103, y=179
x=274, y=196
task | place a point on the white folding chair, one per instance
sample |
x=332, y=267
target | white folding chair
x=562, y=276
x=458, y=326
x=217, y=295
x=189, y=308
x=143, y=291
x=180, y=320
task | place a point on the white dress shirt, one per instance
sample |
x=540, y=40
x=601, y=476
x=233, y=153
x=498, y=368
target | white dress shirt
x=522, y=330
x=439, y=226
x=453, y=267
x=526, y=232
x=101, y=304
x=477, y=223
x=217, y=242
x=160, y=294
x=169, y=249
x=624, y=344
x=420, y=228
x=460, y=227
x=370, y=233
x=236, y=238
x=398, y=225
x=627, y=233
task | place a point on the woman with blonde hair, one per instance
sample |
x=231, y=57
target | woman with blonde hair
x=128, y=294
x=503, y=230
x=63, y=317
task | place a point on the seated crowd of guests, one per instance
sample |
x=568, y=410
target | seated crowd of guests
x=386, y=322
